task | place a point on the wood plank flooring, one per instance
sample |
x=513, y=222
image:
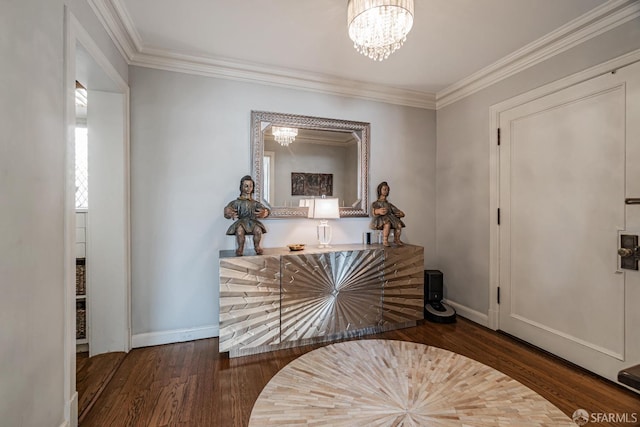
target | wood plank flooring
x=92, y=376
x=191, y=384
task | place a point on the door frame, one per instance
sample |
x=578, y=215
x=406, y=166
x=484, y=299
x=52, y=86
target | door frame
x=494, y=162
x=76, y=35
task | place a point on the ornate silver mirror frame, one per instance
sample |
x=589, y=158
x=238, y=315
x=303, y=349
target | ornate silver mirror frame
x=262, y=120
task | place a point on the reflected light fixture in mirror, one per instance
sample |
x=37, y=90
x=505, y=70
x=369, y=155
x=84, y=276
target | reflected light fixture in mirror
x=284, y=135
x=323, y=209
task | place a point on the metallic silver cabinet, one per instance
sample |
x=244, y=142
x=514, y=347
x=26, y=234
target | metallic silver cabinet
x=329, y=293
x=249, y=301
x=403, y=299
x=283, y=299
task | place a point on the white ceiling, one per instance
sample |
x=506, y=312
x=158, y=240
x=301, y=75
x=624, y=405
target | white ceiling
x=450, y=41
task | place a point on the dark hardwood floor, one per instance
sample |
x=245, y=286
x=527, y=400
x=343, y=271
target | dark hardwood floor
x=191, y=384
x=92, y=376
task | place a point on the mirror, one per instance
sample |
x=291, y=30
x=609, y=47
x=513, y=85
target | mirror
x=326, y=157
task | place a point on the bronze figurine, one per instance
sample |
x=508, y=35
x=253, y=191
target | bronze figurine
x=246, y=211
x=386, y=216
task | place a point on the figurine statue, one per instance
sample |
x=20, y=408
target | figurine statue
x=246, y=211
x=386, y=216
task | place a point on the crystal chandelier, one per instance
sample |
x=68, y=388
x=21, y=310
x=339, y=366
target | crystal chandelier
x=284, y=135
x=379, y=27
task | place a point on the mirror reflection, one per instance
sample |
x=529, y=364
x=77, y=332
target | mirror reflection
x=316, y=163
x=297, y=158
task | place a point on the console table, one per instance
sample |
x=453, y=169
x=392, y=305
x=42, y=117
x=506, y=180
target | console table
x=283, y=299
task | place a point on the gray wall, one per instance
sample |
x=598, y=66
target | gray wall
x=31, y=214
x=463, y=217
x=32, y=181
x=190, y=145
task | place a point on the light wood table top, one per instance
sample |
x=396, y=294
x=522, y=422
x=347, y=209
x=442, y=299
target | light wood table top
x=397, y=383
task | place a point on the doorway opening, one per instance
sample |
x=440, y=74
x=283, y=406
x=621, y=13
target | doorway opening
x=97, y=265
x=81, y=212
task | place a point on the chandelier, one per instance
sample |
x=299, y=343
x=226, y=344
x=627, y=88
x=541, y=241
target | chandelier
x=284, y=135
x=379, y=27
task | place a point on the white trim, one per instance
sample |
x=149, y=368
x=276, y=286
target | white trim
x=129, y=28
x=114, y=17
x=494, y=164
x=125, y=41
x=589, y=25
x=493, y=318
x=83, y=37
x=119, y=25
x=176, y=335
x=73, y=410
x=69, y=335
x=273, y=76
x=494, y=204
x=579, y=77
x=126, y=140
x=468, y=313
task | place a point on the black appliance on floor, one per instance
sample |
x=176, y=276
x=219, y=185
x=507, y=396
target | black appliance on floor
x=434, y=309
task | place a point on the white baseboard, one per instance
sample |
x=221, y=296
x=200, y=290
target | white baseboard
x=469, y=313
x=71, y=412
x=494, y=319
x=176, y=335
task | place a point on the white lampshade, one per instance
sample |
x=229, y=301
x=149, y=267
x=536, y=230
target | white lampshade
x=324, y=208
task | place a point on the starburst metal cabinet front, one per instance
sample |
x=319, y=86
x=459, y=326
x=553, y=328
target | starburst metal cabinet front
x=403, y=299
x=328, y=294
x=283, y=299
x=249, y=302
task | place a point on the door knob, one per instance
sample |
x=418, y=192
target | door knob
x=625, y=252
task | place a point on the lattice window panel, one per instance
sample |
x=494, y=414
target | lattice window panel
x=82, y=169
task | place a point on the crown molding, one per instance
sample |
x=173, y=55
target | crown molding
x=116, y=20
x=280, y=77
x=601, y=19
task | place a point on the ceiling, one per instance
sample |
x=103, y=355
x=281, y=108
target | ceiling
x=306, y=41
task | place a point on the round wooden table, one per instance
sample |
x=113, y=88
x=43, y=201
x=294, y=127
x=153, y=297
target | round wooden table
x=397, y=383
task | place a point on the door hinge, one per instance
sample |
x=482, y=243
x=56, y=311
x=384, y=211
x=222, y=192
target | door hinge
x=498, y=136
x=498, y=294
x=498, y=216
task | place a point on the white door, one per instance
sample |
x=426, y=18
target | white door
x=567, y=162
x=107, y=242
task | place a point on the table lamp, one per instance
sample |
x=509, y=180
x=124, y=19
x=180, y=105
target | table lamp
x=324, y=208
